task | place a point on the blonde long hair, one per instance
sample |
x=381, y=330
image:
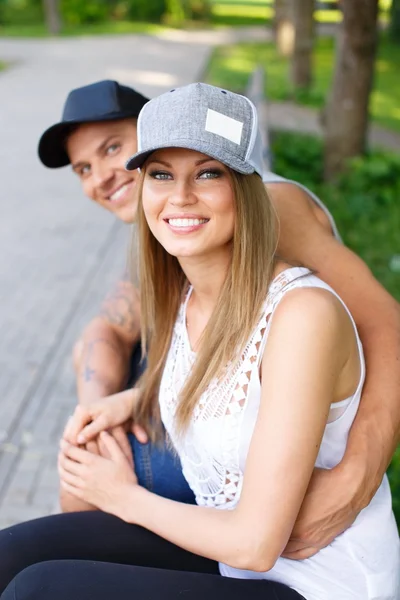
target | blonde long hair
x=163, y=284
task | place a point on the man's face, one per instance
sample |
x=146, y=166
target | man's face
x=98, y=153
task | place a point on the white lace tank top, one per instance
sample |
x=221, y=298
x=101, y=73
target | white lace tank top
x=213, y=454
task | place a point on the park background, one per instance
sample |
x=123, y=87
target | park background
x=356, y=173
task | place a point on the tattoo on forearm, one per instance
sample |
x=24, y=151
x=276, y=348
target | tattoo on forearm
x=88, y=373
x=121, y=307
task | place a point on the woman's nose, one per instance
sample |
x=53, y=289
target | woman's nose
x=182, y=194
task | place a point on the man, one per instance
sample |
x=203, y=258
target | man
x=97, y=135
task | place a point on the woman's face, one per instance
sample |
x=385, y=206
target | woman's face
x=188, y=201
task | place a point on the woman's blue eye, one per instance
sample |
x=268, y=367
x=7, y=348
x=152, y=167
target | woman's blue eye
x=160, y=175
x=209, y=174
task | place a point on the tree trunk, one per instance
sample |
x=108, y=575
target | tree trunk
x=303, y=20
x=283, y=27
x=52, y=15
x=346, y=115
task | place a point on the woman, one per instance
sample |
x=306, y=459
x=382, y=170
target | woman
x=256, y=368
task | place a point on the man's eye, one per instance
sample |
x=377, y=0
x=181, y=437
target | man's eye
x=160, y=175
x=210, y=174
x=113, y=148
x=85, y=170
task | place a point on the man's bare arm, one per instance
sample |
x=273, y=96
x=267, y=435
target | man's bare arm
x=375, y=433
x=102, y=354
x=102, y=357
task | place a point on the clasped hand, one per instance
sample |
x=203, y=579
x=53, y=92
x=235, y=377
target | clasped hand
x=95, y=462
x=95, y=465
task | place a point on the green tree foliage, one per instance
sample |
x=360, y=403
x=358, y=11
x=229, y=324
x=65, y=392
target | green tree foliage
x=21, y=12
x=395, y=21
x=145, y=10
x=76, y=12
x=179, y=11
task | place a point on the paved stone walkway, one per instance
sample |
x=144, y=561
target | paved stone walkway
x=292, y=117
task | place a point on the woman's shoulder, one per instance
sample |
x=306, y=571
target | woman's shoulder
x=303, y=299
x=310, y=301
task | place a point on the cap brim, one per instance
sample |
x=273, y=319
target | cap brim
x=51, y=148
x=137, y=160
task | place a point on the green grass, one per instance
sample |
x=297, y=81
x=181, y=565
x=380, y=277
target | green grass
x=110, y=28
x=241, y=12
x=230, y=66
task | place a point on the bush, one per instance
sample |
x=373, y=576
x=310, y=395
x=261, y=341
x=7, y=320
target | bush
x=76, y=12
x=21, y=12
x=147, y=10
x=365, y=204
x=179, y=11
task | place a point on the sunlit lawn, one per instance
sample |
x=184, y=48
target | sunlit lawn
x=242, y=12
x=258, y=12
x=230, y=67
x=110, y=27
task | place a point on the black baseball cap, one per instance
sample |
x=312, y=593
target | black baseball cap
x=101, y=101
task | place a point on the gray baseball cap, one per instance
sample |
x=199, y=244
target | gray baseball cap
x=205, y=118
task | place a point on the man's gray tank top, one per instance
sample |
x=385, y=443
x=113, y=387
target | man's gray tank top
x=270, y=177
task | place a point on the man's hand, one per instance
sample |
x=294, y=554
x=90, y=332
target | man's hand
x=108, y=413
x=330, y=506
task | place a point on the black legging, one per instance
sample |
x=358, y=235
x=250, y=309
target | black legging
x=87, y=555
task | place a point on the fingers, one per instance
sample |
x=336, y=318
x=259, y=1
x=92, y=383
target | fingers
x=301, y=554
x=70, y=489
x=81, y=417
x=140, y=434
x=78, y=455
x=68, y=430
x=93, y=447
x=122, y=439
x=103, y=448
x=68, y=477
x=113, y=447
x=67, y=465
x=99, y=424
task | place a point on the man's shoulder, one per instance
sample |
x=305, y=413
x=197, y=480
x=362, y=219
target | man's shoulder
x=293, y=202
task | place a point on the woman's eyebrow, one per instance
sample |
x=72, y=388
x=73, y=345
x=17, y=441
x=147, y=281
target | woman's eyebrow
x=204, y=160
x=161, y=162
x=201, y=161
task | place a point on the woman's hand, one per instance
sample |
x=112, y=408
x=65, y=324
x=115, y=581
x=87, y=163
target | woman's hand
x=88, y=421
x=96, y=479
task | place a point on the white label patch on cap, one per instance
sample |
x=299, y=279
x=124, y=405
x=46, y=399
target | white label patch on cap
x=224, y=126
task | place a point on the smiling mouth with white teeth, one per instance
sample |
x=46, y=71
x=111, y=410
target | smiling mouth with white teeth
x=186, y=222
x=120, y=192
